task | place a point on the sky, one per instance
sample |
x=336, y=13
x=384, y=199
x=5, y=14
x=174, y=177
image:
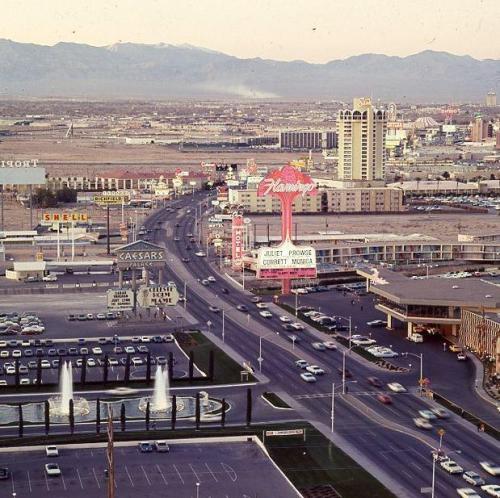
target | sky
x=311, y=30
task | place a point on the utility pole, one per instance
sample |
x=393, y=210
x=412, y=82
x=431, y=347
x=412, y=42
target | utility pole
x=108, y=249
x=109, y=454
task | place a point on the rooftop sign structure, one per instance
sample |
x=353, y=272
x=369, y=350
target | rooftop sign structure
x=140, y=254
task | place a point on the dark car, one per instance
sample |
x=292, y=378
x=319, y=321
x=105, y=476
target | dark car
x=375, y=381
x=4, y=473
x=71, y=318
x=348, y=374
x=224, y=290
x=145, y=447
x=288, y=326
x=384, y=398
x=242, y=307
x=293, y=338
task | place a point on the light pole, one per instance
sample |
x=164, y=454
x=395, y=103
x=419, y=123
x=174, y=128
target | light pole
x=197, y=490
x=332, y=415
x=185, y=295
x=260, y=359
x=223, y=325
x=296, y=302
x=349, y=320
x=436, y=452
x=421, y=379
x=343, y=368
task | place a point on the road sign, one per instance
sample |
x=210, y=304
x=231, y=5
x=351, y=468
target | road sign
x=158, y=295
x=441, y=432
x=140, y=254
x=120, y=299
x=112, y=198
x=290, y=432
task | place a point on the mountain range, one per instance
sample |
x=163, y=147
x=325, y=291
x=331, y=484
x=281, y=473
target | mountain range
x=164, y=71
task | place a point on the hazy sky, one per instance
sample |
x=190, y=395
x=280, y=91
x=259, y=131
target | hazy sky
x=313, y=30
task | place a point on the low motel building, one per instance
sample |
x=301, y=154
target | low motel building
x=459, y=308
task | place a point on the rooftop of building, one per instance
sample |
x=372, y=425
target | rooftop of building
x=397, y=287
x=346, y=237
x=424, y=185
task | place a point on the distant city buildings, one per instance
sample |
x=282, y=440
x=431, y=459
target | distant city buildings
x=491, y=99
x=308, y=140
x=481, y=129
x=361, y=138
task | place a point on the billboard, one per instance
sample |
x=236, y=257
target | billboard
x=120, y=299
x=14, y=173
x=140, y=254
x=112, y=198
x=286, y=261
x=158, y=295
x=237, y=240
x=64, y=217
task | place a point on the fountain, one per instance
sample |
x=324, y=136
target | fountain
x=160, y=402
x=60, y=405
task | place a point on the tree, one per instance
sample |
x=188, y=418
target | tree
x=123, y=418
x=492, y=176
x=83, y=372
x=47, y=417
x=249, y=407
x=21, y=420
x=170, y=366
x=446, y=175
x=105, y=369
x=147, y=415
x=17, y=378
x=98, y=416
x=66, y=195
x=223, y=413
x=127, y=370
x=39, y=373
x=43, y=198
x=71, y=416
x=174, y=411
x=197, y=412
x=148, y=368
x=211, y=365
x=191, y=366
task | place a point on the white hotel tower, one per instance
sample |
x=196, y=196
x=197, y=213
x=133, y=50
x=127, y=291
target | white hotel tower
x=361, y=139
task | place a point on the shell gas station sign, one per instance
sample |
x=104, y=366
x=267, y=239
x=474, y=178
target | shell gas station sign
x=64, y=217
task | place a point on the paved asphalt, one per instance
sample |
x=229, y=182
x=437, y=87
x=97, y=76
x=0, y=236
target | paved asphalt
x=400, y=452
x=221, y=469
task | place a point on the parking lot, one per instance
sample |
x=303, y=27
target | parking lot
x=50, y=353
x=221, y=469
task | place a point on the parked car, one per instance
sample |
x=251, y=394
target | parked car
x=51, y=451
x=162, y=446
x=145, y=447
x=52, y=469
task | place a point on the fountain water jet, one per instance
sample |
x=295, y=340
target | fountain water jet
x=160, y=402
x=59, y=405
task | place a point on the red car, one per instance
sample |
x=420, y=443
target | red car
x=375, y=382
x=384, y=398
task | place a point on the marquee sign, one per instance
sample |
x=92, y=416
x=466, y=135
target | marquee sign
x=120, y=299
x=140, y=254
x=237, y=240
x=158, y=295
x=112, y=198
x=286, y=261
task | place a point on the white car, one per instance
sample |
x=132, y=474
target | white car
x=308, y=377
x=330, y=345
x=363, y=341
x=318, y=346
x=492, y=468
x=91, y=362
x=297, y=326
x=262, y=306
x=473, y=478
x=492, y=489
x=25, y=381
x=467, y=493
x=285, y=319
x=137, y=362
x=146, y=338
x=396, y=387
x=45, y=364
x=451, y=467
x=16, y=353
x=427, y=414
x=440, y=413
x=162, y=446
x=51, y=451
x=265, y=314
x=377, y=323
x=52, y=469
x=461, y=357
x=315, y=370
x=422, y=423
x=211, y=279
x=96, y=350
x=302, y=364
x=129, y=349
x=50, y=278
x=200, y=254
x=382, y=352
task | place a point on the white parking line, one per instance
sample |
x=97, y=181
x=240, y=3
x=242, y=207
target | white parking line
x=178, y=473
x=229, y=471
x=131, y=482
x=29, y=481
x=195, y=474
x=46, y=481
x=407, y=474
x=96, y=480
x=145, y=475
x=162, y=476
x=63, y=481
x=13, y=486
x=79, y=478
x=416, y=465
x=210, y=470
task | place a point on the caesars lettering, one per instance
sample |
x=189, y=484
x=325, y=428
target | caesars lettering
x=142, y=256
x=30, y=163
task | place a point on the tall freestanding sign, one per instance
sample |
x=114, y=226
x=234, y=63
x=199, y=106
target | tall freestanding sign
x=237, y=238
x=286, y=261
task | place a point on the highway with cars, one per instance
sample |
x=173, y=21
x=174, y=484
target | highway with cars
x=382, y=437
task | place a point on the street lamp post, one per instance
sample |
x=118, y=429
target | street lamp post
x=223, y=325
x=332, y=415
x=343, y=368
x=421, y=358
x=185, y=295
x=197, y=490
x=349, y=320
x=260, y=359
x=296, y=301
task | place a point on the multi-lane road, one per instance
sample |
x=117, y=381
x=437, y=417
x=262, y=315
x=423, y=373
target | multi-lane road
x=381, y=437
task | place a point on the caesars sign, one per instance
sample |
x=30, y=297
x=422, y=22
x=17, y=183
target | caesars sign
x=140, y=254
x=286, y=261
